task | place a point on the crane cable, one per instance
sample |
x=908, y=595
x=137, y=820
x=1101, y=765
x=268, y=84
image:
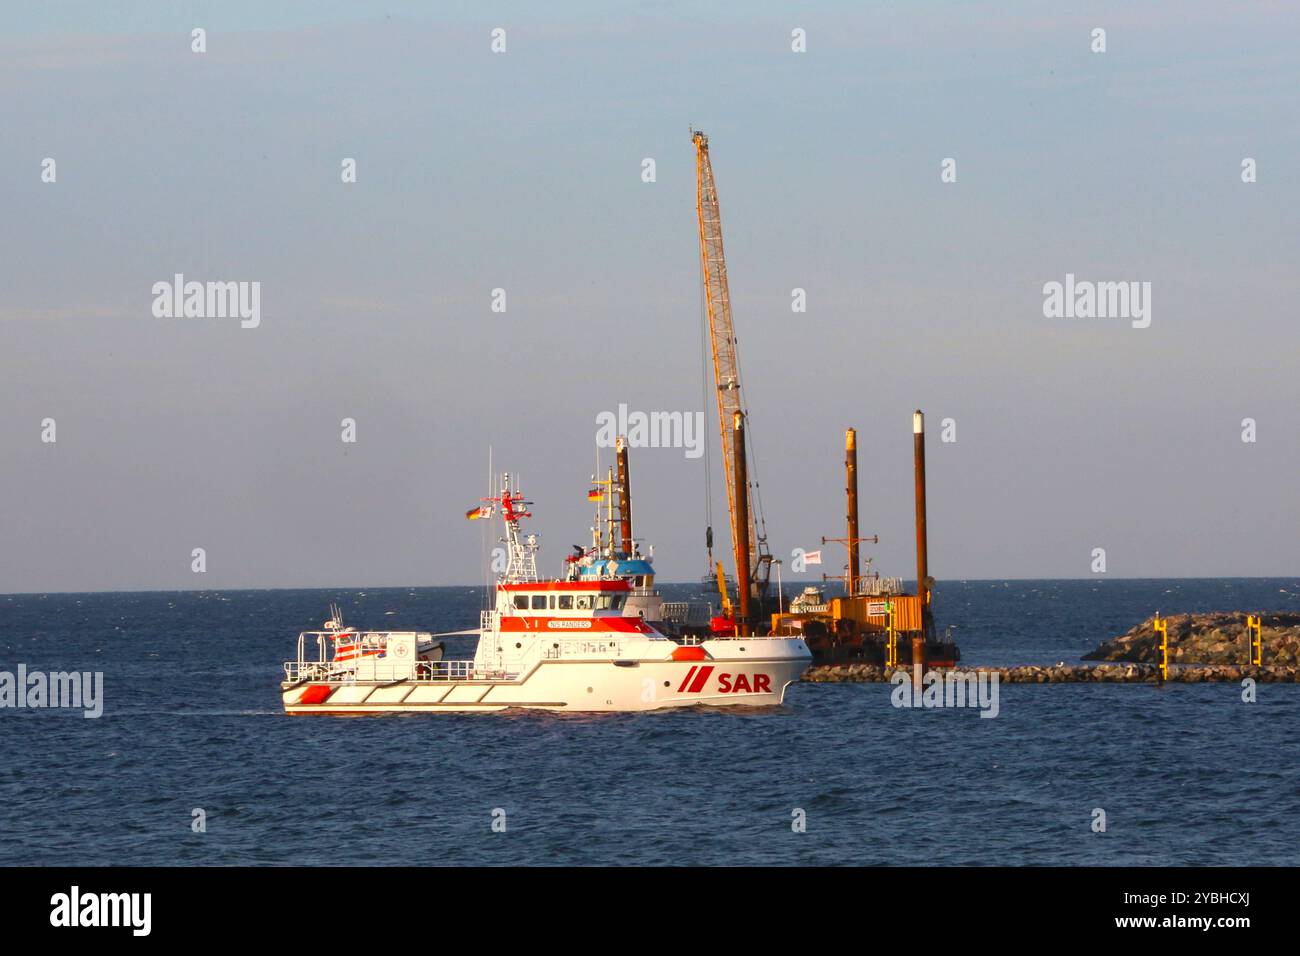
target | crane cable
x=704, y=402
x=753, y=460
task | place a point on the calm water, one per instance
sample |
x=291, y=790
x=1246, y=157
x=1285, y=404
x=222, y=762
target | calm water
x=1186, y=774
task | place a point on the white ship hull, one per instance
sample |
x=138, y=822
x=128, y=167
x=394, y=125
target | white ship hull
x=545, y=645
x=750, y=672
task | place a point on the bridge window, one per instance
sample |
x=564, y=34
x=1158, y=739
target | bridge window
x=521, y=602
x=583, y=602
x=566, y=602
x=539, y=602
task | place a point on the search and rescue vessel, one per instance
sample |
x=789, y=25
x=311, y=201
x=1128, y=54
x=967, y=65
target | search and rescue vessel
x=564, y=645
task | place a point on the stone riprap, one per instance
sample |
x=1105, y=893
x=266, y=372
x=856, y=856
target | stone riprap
x=1215, y=638
x=1074, y=673
x=1202, y=648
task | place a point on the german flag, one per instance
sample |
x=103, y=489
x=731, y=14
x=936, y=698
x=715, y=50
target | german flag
x=475, y=513
x=595, y=495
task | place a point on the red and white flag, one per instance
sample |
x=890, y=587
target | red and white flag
x=812, y=557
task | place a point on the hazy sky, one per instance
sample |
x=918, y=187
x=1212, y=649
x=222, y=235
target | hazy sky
x=522, y=170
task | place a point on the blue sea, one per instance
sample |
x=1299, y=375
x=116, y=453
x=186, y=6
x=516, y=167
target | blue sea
x=1186, y=774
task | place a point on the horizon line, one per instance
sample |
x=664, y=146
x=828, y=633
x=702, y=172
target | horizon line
x=409, y=587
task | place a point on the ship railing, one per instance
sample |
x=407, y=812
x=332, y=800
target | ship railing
x=873, y=585
x=440, y=671
x=691, y=613
x=306, y=670
x=420, y=672
x=353, y=635
x=581, y=648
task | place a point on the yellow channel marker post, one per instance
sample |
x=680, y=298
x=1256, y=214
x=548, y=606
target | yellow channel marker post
x=1162, y=628
x=891, y=638
x=1254, y=631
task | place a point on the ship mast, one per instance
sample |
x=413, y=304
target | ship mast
x=726, y=377
x=521, y=550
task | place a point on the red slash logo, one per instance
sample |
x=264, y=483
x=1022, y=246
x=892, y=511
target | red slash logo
x=695, y=678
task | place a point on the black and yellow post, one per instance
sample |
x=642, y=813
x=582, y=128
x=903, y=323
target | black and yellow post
x=1162, y=628
x=1255, y=632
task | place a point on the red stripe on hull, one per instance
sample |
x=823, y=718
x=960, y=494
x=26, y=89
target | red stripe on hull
x=612, y=584
x=315, y=694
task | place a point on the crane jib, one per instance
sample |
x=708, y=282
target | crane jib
x=726, y=367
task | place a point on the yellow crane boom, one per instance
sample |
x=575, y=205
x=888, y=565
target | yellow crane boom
x=726, y=367
x=722, y=591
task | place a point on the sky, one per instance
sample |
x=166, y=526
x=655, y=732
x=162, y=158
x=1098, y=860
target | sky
x=522, y=170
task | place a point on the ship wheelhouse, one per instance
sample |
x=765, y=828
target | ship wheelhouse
x=578, y=599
